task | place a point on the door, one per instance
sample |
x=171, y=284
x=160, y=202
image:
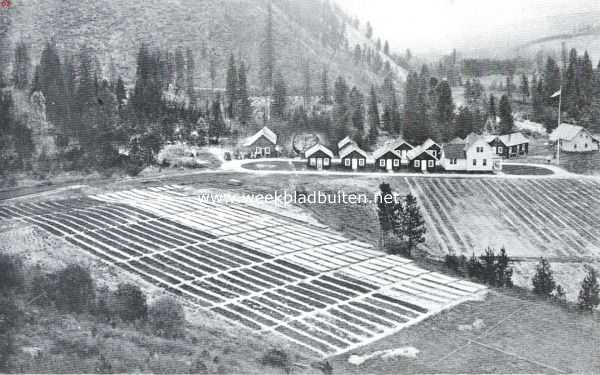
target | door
x=389, y=165
x=319, y=163
x=354, y=163
x=424, y=165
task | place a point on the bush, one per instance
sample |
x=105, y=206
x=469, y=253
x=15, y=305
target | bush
x=166, y=317
x=491, y=269
x=277, y=358
x=589, y=295
x=456, y=263
x=75, y=291
x=11, y=273
x=130, y=302
x=543, y=281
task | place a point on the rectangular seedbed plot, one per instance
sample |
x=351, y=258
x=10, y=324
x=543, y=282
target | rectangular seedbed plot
x=233, y=250
x=394, y=308
x=195, y=231
x=180, y=230
x=227, y=286
x=202, y=258
x=227, y=253
x=319, y=334
x=400, y=303
x=76, y=219
x=310, y=294
x=344, y=326
x=279, y=306
x=47, y=227
x=237, y=318
x=283, y=271
x=191, y=263
x=173, y=242
x=332, y=330
x=288, y=302
x=262, y=276
x=104, y=214
x=247, y=249
x=236, y=281
x=201, y=251
x=201, y=294
x=379, y=312
x=131, y=244
x=333, y=288
x=89, y=249
x=141, y=240
x=263, y=269
x=169, y=232
x=263, y=309
x=242, y=274
x=354, y=320
x=156, y=273
x=148, y=236
x=365, y=315
x=57, y=225
x=214, y=290
x=311, y=343
x=245, y=312
x=342, y=283
x=302, y=298
x=166, y=269
x=178, y=266
x=354, y=280
x=297, y=268
x=325, y=292
x=116, y=245
x=100, y=247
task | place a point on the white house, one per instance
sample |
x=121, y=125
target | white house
x=574, y=138
x=474, y=155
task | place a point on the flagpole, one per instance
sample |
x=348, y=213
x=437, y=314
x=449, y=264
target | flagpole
x=558, y=140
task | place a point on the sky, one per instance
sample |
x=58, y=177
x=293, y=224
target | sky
x=439, y=25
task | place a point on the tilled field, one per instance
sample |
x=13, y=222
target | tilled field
x=267, y=272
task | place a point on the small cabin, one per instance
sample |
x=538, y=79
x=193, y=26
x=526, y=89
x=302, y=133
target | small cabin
x=318, y=157
x=510, y=145
x=402, y=148
x=388, y=159
x=353, y=157
x=433, y=148
x=263, y=144
x=422, y=160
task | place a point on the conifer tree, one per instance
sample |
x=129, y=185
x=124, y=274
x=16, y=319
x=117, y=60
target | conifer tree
x=524, y=88
x=552, y=80
x=506, y=117
x=543, y=280
x=231, y=87
x=589, y=295
x=190, y=72
x=374, y=121
x=444, y=110
x=179, y=69
x=279, y=97
x=413, y=223
x=245, y=110
x=21, y=66
x=386, y=48
x=120, y=91
x=325, y=99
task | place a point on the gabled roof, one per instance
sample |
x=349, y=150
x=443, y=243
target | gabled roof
x=264, y=132
x=318, y=147
x=384, y=150
x=456, y=141
x=472, y=137
x=565, y=132
x=344, y=142
x=351, y=148
x=418, y=151
x=428, y=143
x=399, y=142
x=513, y=139
x=455, y=151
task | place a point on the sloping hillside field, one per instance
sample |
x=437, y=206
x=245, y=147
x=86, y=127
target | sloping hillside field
x=267, y=272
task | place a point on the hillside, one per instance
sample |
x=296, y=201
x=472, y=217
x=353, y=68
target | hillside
x=114, y=30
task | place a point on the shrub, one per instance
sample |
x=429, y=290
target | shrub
x=277, y=358
x=543, y=281
x=75, y=289
x=491, y=269
x=130, y=302
x=11, y=273
x=456, y=263
x=166, y=317
x=589, y=295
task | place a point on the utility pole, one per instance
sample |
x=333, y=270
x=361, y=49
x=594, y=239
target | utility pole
x=558, y=140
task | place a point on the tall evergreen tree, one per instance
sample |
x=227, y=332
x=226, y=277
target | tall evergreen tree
x=506, y=117
x=231, y=87
x=543, y=280
x=51, y=83
x=552, y=80
x=386, y=48
x=444, y=110
x=341, y=116
x=589, y=295
x=268, y=53
x=538, y=101
x=413, y=223
x=357, y=107
x=374, y=120
x=120, y=91
x=587, y=80
x=279, y=97
x=524, y=88
x=21, y=66
x=325, y=99
x=245, y=108
x=307, y=85
x=179, y=69
x=190, y=72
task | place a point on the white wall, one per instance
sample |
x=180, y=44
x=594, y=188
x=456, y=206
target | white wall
x=461, y=165
x=488, y=154
x=578, y=143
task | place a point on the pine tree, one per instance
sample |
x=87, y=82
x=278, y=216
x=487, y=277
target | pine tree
x=21, y=66
x=307, y=85
x=268, y=54
x=506, y=117
x=341, y=109
x=245, y=109
x=413, y=223
x=538, y=101
x=190, y=72
x=51, y=83
x=386, y=48
x=386, y=208
x=524, y=87
x=386, y=119
x=492, y=113
x=216, y=124
x=120, y=91
x=444, y=110
x=179, y=69
x=552, y=80
x=589, y=295
x=587, y=80
x=231, y=87
x=325, y=99
x=279, y=97
x=543, y=280
x=373, y=115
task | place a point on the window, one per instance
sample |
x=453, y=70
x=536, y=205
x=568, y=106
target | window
x=430, y=163
x=326, y=162
x=382, y=163
x=347, y=162
x=474, y=162
x=361, y=162
x=484, y=162
x=500, y=150
x=434, y=153
x=586, y=145
x=479, y=149
x=312, y=162
x=396, y=162
x=258, y=151
x=267, y=150
x=417, y=163
x=453, y=162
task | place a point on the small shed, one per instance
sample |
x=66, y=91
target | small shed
x=353, y=157
x=319, y=157
x=422, y=160
x=262, y=144
x=387, y=158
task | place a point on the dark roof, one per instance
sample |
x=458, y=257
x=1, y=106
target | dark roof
x=454, y=151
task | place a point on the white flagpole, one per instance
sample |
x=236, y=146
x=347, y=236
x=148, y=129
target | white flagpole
x=558, y=140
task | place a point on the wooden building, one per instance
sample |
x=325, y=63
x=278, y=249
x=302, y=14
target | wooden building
x=573, y=138
x=353, y=157
x=510, y=145
x=387, y=158
x=319, y=157
x=422, y=160
x=263, y=144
